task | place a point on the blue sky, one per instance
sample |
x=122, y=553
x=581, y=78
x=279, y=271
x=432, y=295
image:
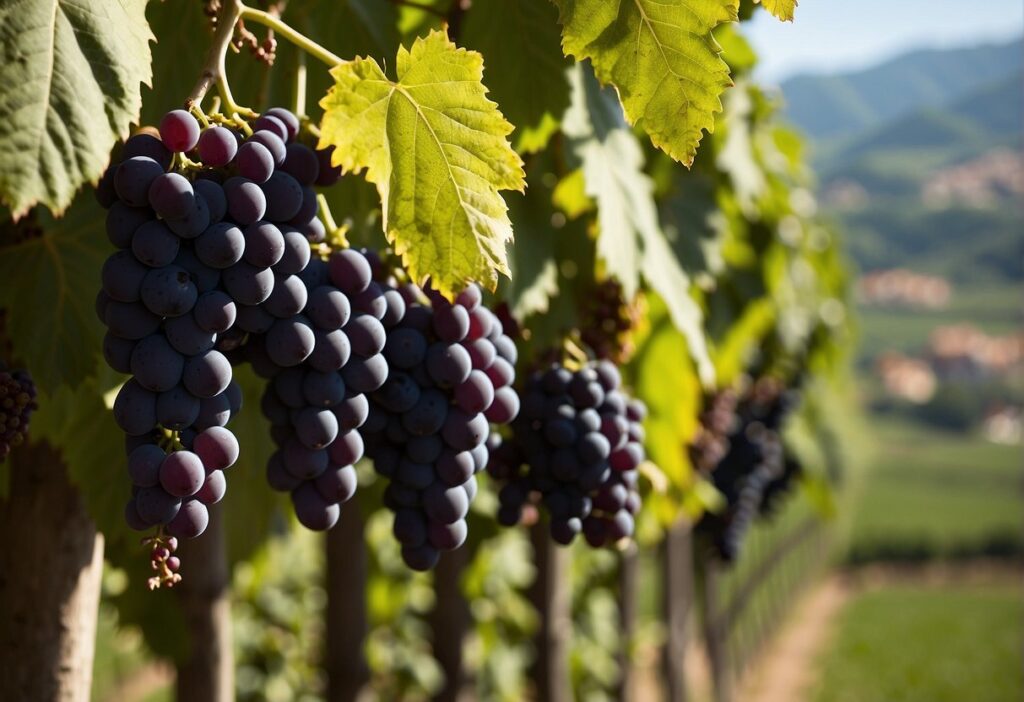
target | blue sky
x=831, y=35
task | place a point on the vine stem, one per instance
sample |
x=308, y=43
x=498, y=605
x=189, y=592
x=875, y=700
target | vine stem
x=295, y=37
x=214, y=70
x=300, y=87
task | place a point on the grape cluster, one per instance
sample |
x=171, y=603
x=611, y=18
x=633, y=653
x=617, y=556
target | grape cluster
x=717, y=423
x=581, y=440
x=320, y=364
x=17, y=401
x=211, y=229
x=451, y=374
x=163, y=561
x=608, y=320
x=755, y=471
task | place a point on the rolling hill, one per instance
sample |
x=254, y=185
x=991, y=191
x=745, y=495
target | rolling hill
x=912, y=158
x=840, y=106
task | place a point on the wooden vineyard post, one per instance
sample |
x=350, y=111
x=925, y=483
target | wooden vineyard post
x=715, y=629
x=629, y=572
x=551, y=596
x=208, y=673
x=677, y=604
x=51, y=562
x=347, y=670
x=450, y=619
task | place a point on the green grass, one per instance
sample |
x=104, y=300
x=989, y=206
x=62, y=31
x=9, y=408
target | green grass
x=905, y=644
x=936, y=493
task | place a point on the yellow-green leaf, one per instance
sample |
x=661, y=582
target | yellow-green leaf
x=782, y=9
x=438, y=152
x=71, y=76
x=661, y=57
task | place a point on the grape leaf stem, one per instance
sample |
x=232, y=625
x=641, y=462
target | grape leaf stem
x=294, y=36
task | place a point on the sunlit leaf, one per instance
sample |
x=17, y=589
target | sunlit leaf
x=437, y=150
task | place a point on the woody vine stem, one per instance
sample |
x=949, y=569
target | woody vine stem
x=215, y=71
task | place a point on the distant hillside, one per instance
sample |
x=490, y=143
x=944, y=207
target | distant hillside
x=918, y=159
x=835, y=107
x=896, y=157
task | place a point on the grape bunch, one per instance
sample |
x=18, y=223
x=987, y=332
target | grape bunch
x=607, y=321
x=17, y=401
x=755, y=471
x=581, y=440
x=451, y=374
x=208, y=226
x=717, y=423
x=320, y=364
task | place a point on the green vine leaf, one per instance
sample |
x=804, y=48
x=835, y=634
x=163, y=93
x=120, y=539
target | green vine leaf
x=662, y=59
x=507, y=32
x=437, y=150
x=72, y=75
x=782, y=9
x=50, y=270
x=631, y=243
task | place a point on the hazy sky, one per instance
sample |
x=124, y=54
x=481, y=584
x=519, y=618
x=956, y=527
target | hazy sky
x=844, y=34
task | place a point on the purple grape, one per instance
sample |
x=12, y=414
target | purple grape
x=169, y=291
x=312, y=510
x=264, y=244
x=190, y=522
x=350, y=271
x=155, y=364
x=254, y=162
x=215, y=311
x=129, y=320
x=123, y=220
x=187, y=337
x=213, y=489
x=247, y=284
x=182, y=474
x=290, y=341
x=156, y=506
x=135, y=409
x=147, y=145
x=283, y=195
x=213, y=194
x=155, y=244
x=133, y=179
x=246, y=202
x=122, y=277
x=273, y=143
x=301, y=163
x=171, y=196
x=144, y=465
x=217, y=146
x=207, y=374
x=296, y=252
x=217, y=448
x=179, y=131
x=177, y=408
x=287, y=118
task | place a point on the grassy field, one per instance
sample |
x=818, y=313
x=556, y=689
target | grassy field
x=935, y=493
x=943, y=644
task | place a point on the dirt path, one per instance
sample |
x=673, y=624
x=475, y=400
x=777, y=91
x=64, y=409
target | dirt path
x=787, y=671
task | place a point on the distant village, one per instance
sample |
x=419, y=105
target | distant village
x=955, y=353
